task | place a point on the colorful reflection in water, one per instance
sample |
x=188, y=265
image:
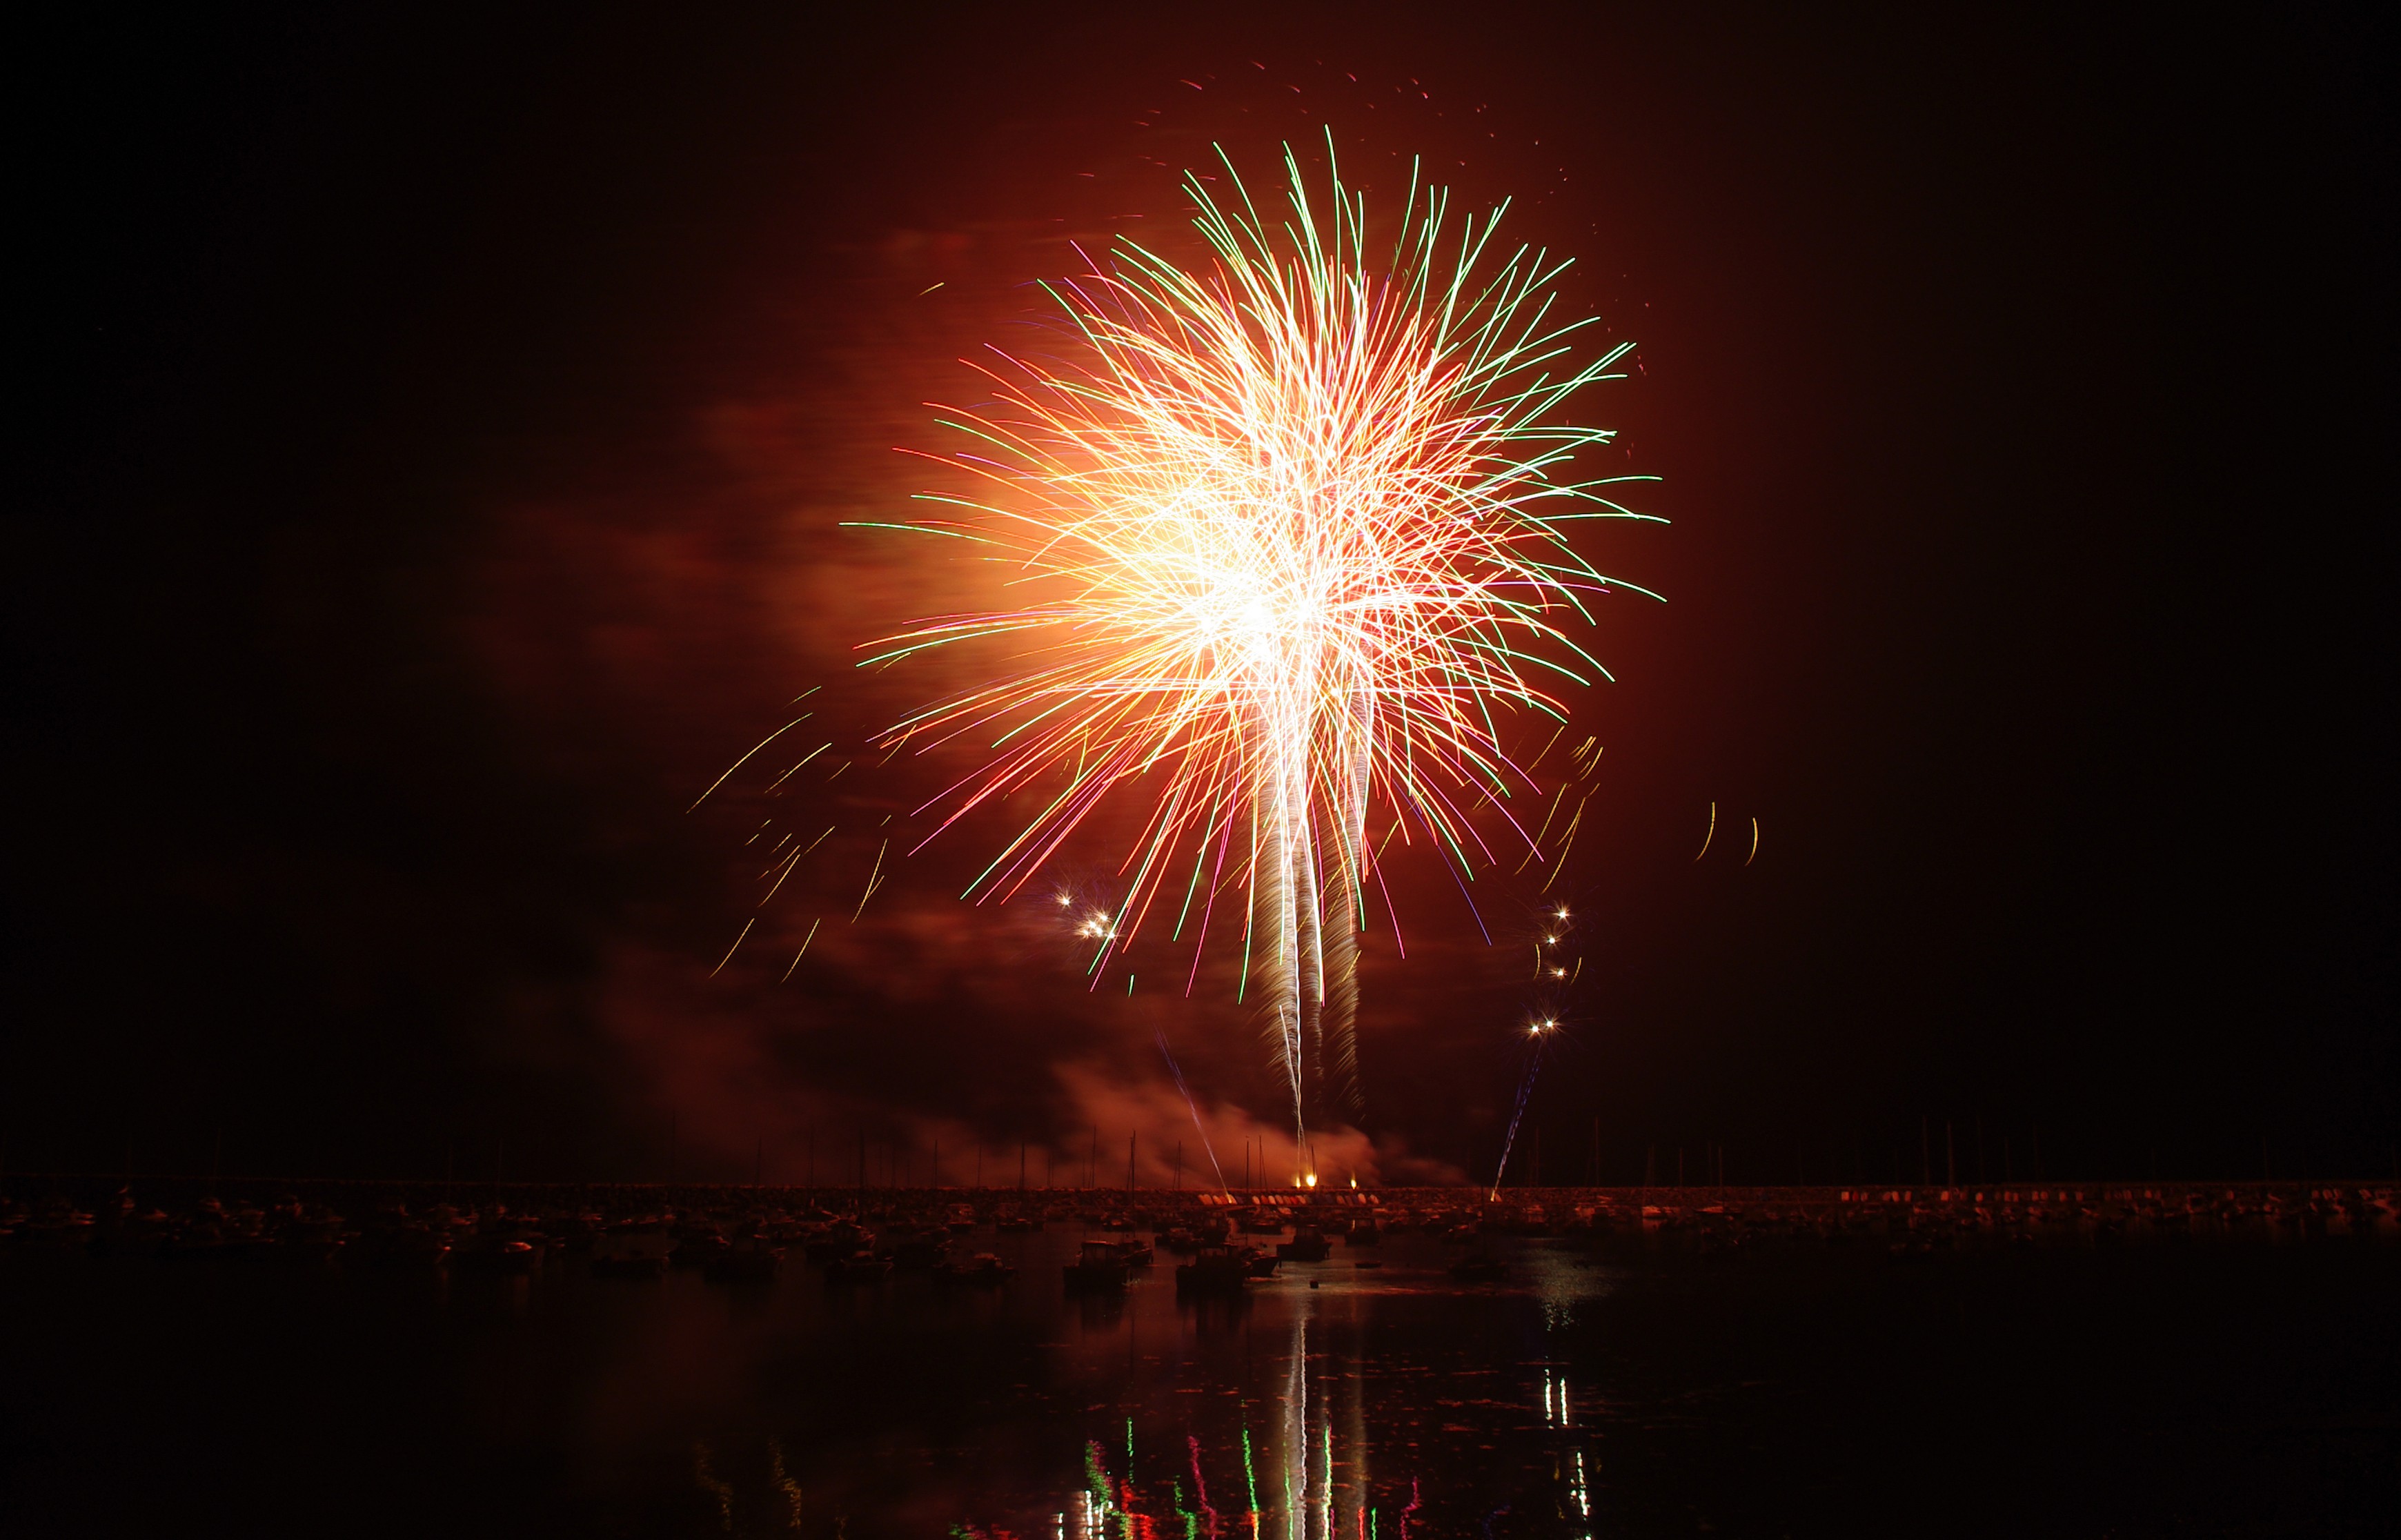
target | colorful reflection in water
x=1304, y=1472
x=1303, y=1413
x=1361, y=1397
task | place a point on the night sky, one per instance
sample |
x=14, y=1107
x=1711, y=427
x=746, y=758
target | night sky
x=440, y=426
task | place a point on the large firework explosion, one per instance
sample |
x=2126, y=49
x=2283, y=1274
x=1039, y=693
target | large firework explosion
x=1291, y=528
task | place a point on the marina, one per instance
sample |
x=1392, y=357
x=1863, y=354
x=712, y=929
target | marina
x=716, y=1360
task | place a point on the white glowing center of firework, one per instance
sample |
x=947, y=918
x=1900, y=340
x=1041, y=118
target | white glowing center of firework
x=1248, y=630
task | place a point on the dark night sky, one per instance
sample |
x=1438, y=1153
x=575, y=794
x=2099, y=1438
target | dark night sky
x=440, y=424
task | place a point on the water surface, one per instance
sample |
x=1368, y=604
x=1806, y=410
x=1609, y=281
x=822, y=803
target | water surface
x=2161, y=1390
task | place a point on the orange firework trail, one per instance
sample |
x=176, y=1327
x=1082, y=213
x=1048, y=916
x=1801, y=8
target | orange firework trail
x=1293, y=533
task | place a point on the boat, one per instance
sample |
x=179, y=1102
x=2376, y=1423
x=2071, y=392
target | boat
x=859, y=1267
x=1308, y=1245
x=396, y=1245
x=631, y=1251
x=498, y=1253
x=1223, y=1270
x=834, y=1242
x=981, y=1270
x=1100, y=1266
x=916, y=1252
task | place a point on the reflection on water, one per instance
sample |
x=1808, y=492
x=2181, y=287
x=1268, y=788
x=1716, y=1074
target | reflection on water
x=1334, y=1401
x=1368, y=1398
x=1324, y=1404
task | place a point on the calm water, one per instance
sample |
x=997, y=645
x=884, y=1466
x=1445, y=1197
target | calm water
x=2172, y=1390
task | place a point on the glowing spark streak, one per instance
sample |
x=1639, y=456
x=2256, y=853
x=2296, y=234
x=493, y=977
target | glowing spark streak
x=754, y=749
x=1190, y=1105
x=790, y=864
x=1225, y=837
x=804, y=758
x=1567, y=843
x=1712, y=832
x=1754, y=843
x=873, y=878
x=735, y=947
x=1525, y=1093
x=1534, y=848
x=804, y=949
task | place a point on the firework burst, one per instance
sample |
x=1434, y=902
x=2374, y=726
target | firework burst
x=1291, y=526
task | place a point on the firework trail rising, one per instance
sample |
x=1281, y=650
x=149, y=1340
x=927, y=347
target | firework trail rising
x=1190, y=1105
x=1292, y=527
x=1540, y=1031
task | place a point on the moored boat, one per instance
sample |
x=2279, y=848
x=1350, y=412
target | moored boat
x=1308, y=1245
x=981, y=1270
x=1100, y=1265
x=1223, y=1270
x=859, y=1267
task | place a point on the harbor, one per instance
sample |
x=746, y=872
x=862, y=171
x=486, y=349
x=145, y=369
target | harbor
x=711, y=1360
x=634, y=1229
